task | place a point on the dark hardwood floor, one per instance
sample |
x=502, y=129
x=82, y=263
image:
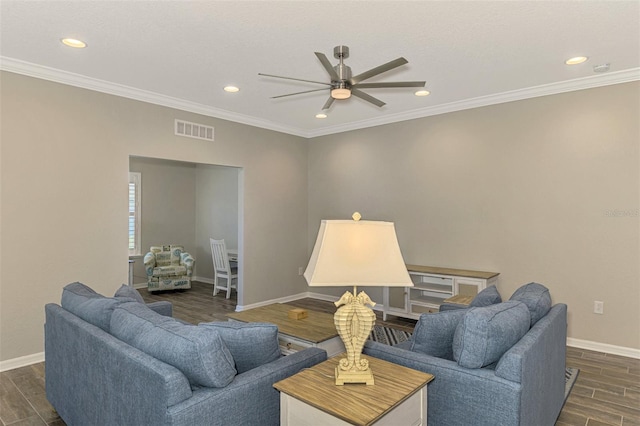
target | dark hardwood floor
x=607, y=391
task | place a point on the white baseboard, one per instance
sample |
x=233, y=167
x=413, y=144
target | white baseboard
x=240, y=308
x=203, y=280
x=22, y=361
x=604, y=347
x=199, y=279
x=295, y=297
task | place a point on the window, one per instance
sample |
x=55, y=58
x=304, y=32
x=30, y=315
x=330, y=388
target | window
x=135, y=180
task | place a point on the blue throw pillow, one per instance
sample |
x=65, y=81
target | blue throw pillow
x=250, y=344
x=484, y=334
x=129, y=292
x=536, y=297
x=433, y=334
x=198, y=352
x=88, y=305
x=488, y=296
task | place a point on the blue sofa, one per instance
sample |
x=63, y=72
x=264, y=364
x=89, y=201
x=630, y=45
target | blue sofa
x=96, y=378
x=501, y=364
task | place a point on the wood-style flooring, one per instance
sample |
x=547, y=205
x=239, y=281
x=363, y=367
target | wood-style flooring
x=607, y=391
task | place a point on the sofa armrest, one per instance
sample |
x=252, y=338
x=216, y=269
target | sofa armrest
x=250, y=399
x=93, y=378
x=458, y=394
x=187, y=260
x=162, y=307
x=538, y=361
x=149, y=263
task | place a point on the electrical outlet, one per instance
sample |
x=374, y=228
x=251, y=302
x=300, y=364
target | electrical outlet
x=598, y=307
x=300, y=270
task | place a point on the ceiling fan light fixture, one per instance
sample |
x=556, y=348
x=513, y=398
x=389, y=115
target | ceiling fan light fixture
x=231, y=89
x=321, y=115
x=340, y=93
x=422, y=93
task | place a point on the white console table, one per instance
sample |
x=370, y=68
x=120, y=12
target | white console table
x=431, y=286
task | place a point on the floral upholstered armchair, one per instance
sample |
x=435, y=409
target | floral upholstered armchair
x=168, y=268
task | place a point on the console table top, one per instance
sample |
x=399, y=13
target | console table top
x=450, y=271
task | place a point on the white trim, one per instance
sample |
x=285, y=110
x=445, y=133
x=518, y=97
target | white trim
x=22, y=361
x=202, y=280
x=77, y=80
x=240, y=308
x=293, y=298
x=604, y=347
x=590, y=82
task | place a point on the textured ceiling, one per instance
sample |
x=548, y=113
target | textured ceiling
x=181, y=53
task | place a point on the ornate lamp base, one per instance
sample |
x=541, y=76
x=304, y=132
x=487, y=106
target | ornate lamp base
x=358, y=376
x=354, y=321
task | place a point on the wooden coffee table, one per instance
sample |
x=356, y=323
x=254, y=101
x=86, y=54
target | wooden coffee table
x=316, y=330
x=311, y=397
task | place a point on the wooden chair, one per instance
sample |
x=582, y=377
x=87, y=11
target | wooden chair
x=221, y=268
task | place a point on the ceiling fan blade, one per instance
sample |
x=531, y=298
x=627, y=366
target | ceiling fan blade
x=327, y=66
x=366, y=97
x=390, y=84
x=378, y=70
x=297, y=93
x=296, y=79
x=328, y=103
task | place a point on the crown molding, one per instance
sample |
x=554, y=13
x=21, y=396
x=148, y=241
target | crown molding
x=606, y=79
x=77, y=80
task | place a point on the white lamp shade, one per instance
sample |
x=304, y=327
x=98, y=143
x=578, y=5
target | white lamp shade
x=362, y=253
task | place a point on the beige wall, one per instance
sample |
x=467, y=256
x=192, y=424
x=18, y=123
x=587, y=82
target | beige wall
x=536, y=190
x=525, y=188
x=216, y=213
x=64, y=163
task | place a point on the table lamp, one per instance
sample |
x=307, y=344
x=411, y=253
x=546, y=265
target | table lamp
x=351, y=253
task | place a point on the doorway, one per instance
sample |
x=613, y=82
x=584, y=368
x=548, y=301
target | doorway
x=187, y=203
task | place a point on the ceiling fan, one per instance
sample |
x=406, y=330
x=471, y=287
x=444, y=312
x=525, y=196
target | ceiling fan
x=343, y=85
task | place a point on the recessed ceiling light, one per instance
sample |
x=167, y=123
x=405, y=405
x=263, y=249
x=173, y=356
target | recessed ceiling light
x=576, y=60
x=422, y=93
x=231, y=89
x=321, y=115
x=72, y=42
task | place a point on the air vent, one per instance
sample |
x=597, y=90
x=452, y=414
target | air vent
x=193, y=130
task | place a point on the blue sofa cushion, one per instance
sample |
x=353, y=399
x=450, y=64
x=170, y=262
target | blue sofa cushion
x=198, y=352
x=129, y=292
x=90, y=306
x=433, y=334
x=536, y=297
x=250, y=344
x=484, y=334
x=488, y=296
